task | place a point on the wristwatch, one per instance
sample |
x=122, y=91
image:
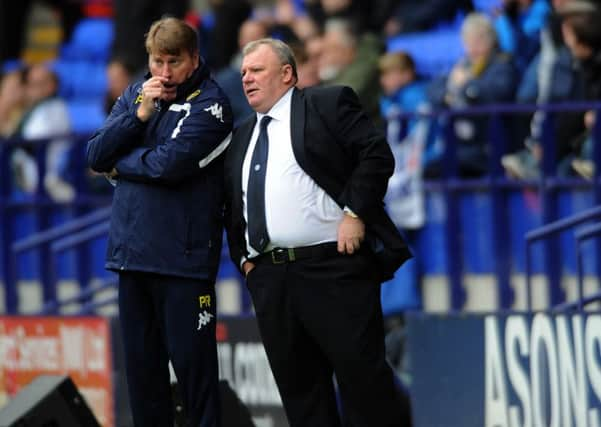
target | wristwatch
x=350, y=213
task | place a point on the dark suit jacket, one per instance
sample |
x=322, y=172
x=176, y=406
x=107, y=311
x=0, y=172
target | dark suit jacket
x=336, y=144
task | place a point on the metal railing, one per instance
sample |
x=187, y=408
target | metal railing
x=46, y=242
x=497, y=186
x=582, y=235
x=549, y=230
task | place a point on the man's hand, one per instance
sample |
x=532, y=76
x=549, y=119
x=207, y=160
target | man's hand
x=247, y=267
x=589, y=119
x=152, y=90
x=351, y=233
x=459, y=76
x=112, y=174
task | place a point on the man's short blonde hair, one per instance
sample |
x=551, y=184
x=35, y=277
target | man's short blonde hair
x=171, y=36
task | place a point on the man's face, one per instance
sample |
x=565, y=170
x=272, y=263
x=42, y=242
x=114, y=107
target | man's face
x=175, y=68
x=477, y=45
x=578, y=49
x=335, y=55
x=264, y=78
x=40, y=84
x=117, y=79
x=393, y=79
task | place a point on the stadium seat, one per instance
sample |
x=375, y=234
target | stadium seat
x=80, y=79
x=487, y=6
x=434, y=52
x=86, y=115
x=91, y=41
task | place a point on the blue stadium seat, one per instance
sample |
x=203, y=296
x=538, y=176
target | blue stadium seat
x=434, y=52
x=80, y=79
x=86, y=115
x=91, y=41
x=487, y=6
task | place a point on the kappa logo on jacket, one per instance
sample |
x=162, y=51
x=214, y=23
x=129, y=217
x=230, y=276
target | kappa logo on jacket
x=204, y=318
x=216, y=110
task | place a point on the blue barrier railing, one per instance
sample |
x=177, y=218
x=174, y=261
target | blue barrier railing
x=548, y=186
x=582, y=236
x=497, y=186
x=586, y=233
x=549, y=230
x=65, y=243
x=85, y=296
x=43, y=241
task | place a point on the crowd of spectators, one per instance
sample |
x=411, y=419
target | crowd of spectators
x=524, y=51
x=514, y=52
x=517, y=51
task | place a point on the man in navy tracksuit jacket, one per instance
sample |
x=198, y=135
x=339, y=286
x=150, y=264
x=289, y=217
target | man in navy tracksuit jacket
x=162, y=144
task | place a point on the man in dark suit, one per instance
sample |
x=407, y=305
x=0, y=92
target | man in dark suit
x=305, y=177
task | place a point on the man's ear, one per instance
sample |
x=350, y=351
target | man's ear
x=288, y=75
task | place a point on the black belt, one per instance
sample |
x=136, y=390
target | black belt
x=284, y=255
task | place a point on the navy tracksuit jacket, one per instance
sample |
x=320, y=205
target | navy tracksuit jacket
x=165, y=242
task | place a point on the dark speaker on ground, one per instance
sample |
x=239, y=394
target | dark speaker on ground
x=48, y=401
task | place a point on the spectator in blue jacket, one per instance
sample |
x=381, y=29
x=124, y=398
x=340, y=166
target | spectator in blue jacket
x=403, y=92
x=162, y=144
x=551, y=77
x=518, y=26
x=484, y=76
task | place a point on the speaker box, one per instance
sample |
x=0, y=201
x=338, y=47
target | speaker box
x=48, y=401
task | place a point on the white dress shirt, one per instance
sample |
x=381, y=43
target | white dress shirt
x=298, y=212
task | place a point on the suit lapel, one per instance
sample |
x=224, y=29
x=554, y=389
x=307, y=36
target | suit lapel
x=243, y=140
x=297, y=126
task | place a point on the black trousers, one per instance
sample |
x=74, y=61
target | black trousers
x=320, y=317
x=169, y=318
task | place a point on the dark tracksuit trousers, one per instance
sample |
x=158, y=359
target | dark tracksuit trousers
x=319, y=317
x=169, y=318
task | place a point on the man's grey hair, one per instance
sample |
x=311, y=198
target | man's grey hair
x=480, y=25
x=281, y=49
x=344, y=29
